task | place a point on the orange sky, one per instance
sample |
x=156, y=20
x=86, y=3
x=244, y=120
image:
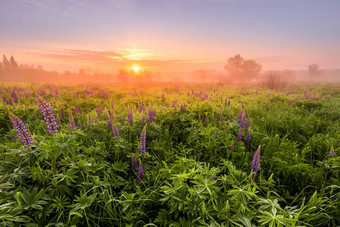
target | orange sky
x=170, y=36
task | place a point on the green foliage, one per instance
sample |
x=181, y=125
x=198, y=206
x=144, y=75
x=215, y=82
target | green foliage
x=192, y=176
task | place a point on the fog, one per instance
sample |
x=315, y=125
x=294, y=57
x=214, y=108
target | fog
x=11, y=71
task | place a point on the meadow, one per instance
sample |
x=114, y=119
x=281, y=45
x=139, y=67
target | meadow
x=168, y=154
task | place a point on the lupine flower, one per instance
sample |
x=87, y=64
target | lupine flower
x=332, y=152
x=15, y=97
x=47, y=114
x=130, y=117
x=62, y=112
x=256, y=162
x=247, y=125
x=142, y=141
x=134, y=163
x=24, y=135
x=140, y=171
x=71, y=120
x=109, y=123
x=182, y=108
x=239, y=117
x=115, y=131
x=79, y=124
x=247, y=141
x=213, y=177
x=239, y=135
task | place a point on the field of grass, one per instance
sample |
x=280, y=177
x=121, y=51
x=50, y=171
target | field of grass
x=169, y=155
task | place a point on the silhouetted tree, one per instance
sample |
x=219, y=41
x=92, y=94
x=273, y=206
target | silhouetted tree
x=5, y=62
x=314, y=69
x=13, y=62
x=243, y=69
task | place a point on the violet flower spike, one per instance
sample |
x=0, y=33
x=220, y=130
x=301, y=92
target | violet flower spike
x=142, y=141
x=23, y=134
x=140, y=171
x=256, y=162
x=47, y=113
x=130, y=117
x=115, y=131
x=134, y=163
x=239, y=135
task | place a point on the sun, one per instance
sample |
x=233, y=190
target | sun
x=136, y=69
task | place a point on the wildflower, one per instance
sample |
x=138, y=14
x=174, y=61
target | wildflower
x=47, y=114
x=142, y=141
x=239, y=135
x=24, y=135
x=256, y=162
x=140, y=171
x=332, y=152
x=71, y=120
x=15, y=97
x=130, y=117
x=134, y=163
x=115, y=131
x=247, y=125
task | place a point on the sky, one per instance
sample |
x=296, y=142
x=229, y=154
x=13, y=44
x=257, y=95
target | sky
x=170, y=35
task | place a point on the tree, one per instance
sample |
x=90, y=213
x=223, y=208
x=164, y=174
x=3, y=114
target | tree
x=243, y=69
x=314, y=69
x=13, y=62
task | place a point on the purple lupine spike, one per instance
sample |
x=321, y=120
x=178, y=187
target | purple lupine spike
x=109, y=123
x=134, y=163
x=332, y=152
x=47, y=113
x=15, y=97
x=239, y=135
x=3, y=182
x=62, y=113
x=239, y=117
x=142, y=141
x=247, y=125
x=130, y=117
x=256, y=162
x=140, y=171
x=115, y=131
x=215, y=133
x=23, y=134
x=182, y=108
x=79, y=124
x=71, y=120
x=247, y=141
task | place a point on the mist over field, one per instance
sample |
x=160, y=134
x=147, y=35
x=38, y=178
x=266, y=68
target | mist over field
x=170, y=113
